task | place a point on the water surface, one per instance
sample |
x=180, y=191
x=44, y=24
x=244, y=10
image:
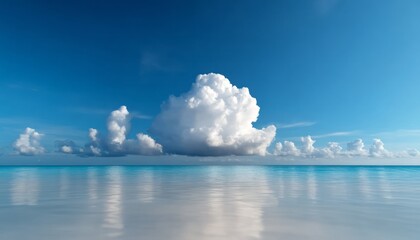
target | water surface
x=209, y=202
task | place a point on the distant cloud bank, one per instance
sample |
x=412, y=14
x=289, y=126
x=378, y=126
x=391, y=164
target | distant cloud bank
x=214, y=118
x=355, y=148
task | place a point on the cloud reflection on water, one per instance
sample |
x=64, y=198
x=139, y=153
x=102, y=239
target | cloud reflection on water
x=25, y=187
x=113, y=219
x=211, y=202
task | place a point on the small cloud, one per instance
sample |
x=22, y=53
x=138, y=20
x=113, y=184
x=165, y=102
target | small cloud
x=28, y=143
x=295, y=125
x=412, y=153
x=154, y=61
x=68, y=147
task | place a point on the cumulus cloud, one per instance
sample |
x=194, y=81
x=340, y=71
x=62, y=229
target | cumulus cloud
x=28, y=143
x=307, y=145
x=411, y=153
x=332, y=150
x=378, y=150
x=287, y=149
x=118, y=125
x=213, y=118
x=116, y=142
x=144, y=145
x=278, y=147
x=356, y=148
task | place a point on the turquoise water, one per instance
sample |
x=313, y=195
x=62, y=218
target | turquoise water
x=210, y=202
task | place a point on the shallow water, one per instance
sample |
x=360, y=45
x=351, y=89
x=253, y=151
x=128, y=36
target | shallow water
x=211, y=202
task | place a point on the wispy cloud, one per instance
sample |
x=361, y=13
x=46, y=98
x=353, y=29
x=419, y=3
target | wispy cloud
x=157, y=61
x=337, y=134
x=295, y=125
x=20, y=86
x=139, y=115
x=323, y=7
x=62, y=132
x=98, y=111
x=399, y=133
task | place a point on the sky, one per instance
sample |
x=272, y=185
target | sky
x=334, y=70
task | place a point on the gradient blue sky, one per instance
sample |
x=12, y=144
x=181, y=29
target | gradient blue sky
x=316, y=67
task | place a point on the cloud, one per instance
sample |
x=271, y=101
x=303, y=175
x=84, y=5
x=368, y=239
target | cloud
x=307, y=145
x=412, y=153
x=68, y=147
x=116, y=142
x=28, y=143
x=144, y=145
x=213, y=118
x=336, y=134
x=286, y=149
x=355, y=148
x=118, y=125
x=307, y=149
x=332, y=150
x=378, y=150
x=295, y=125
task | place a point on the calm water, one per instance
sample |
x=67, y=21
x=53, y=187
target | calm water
x=209, y=203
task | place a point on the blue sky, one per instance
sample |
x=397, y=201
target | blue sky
x=334, y=69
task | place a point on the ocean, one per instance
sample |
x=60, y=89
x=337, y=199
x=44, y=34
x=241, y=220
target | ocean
x=210, y=202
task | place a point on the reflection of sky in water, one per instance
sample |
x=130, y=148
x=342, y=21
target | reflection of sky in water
x=209, y=203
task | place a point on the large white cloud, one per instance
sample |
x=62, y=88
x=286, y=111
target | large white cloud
x=213, y=118
x=116, y=142
x=28, y=143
